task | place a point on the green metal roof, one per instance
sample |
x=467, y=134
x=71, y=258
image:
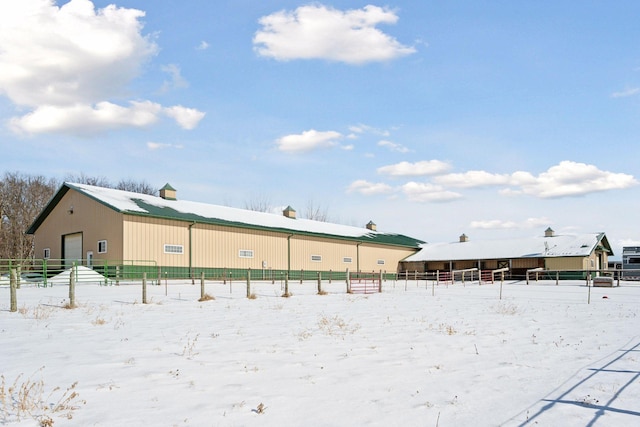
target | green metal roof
x=156, y=207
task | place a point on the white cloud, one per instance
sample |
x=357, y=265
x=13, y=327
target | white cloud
x=368, y=188
x=316, y=31
x=308, y=140
x=177, y=81
x=157, y=146
x=503, y=224
x=83, y=119
x=68, y=63
x=564, y=179
x=393, y=146
x=626, y=93
x=472, y=179
x=361, y=128
x=203, y=45
x=571, y=179
x=425, y=167
x=426, y=192
x=187, y=118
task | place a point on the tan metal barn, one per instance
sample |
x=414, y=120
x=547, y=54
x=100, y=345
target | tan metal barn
x=94, y=225
x=572, y=254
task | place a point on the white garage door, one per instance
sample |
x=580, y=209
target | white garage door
x=72, y=248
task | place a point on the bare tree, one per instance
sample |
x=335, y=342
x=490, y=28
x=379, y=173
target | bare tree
x=22, y=198
x=142, y=187
x=316, y=212
x=259, y=203
x=98, y=181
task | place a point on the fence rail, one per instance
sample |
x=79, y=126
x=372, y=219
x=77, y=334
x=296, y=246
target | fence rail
x=357, y=282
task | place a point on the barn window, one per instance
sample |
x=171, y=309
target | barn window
x=316, y=258
x=380, y=262
x=347, y=260
x=245, y=253
x=46, y=253
x=173, y=249
x=102, y=246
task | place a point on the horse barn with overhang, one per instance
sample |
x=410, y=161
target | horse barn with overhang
x=570, y=254
x=95, y=226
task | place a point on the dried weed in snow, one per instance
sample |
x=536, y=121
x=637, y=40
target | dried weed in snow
x=26, y=398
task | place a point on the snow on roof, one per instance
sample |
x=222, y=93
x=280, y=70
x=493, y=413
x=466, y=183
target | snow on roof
x=143, y=204
x=532, y=247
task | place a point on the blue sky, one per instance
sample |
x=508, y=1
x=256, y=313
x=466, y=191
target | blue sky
x=431, y=118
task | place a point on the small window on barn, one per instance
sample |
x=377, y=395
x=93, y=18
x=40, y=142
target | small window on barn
x=245, y=253
x=316, y=258
x=102, y=246
x=173, y=249
x=380, y=262
x=347, y=260
x=46, y=253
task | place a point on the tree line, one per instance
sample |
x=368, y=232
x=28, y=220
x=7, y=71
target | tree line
x=24, y=196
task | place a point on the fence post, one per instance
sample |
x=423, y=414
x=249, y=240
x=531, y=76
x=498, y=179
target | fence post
x=14, y=297
x=286, y=284
x=72, y=286
x=202, y=284
x=144, y=287
x=348, y=282
x=249, y=283
x=557, y=277
x=117, y=275
x=44, y=272
x=380, y=282
x=319, y=283
x=301, y=275
x=589, y=287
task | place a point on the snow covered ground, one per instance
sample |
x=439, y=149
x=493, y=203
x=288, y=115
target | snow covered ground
x=414, y=355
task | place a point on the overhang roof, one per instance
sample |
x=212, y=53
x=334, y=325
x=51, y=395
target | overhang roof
x=580, y=245
x=138, y=204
